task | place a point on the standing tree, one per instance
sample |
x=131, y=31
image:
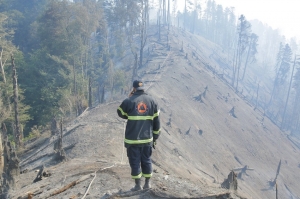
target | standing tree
x=282, y=70
x=17, y=131
x=244, y=30
x=252, y=51
x=296, y=104
x=143, y=28
x=283, y=122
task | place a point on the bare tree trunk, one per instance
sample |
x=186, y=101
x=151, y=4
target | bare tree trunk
x=164, y=12
x=296, y=113
x=90, y=93
x=256, y=97
x=273, y=91
x=74, y=78
x=75, y=88
x=3, y=140
x=276, y=191
x=2, y=66
x=169, y=20
x=103, y=94
x=143, y=36
x=288, y=95
x=1, y=155
x=185, y=12
x=234, y=68
x=247, y=58
x=159, y=28
x=134, y=73
x=58, y=146
x=238, y=70
x=98, y=94
x=15, y=88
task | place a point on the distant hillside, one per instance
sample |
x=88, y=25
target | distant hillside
x=207, y=131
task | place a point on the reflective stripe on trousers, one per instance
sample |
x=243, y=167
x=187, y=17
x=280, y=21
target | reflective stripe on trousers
x=140, y=161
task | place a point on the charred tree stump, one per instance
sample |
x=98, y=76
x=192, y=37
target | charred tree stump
x=54, y=128
x=60, y=154
x=42, y=173
x=199, y=98
x=3, y=138
x=231, y=182
x=204, y=93
x=11, y=169
x=231, y=112
x=272, y=183
x=102, y=95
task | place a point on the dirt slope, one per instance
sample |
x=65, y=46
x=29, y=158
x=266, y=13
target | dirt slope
x=201, y=142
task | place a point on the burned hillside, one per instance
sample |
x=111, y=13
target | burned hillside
x=208, y=130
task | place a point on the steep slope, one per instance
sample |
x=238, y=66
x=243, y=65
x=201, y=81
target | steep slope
x=201, y=142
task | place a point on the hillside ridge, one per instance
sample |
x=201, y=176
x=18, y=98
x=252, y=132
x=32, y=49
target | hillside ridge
x=201, y=140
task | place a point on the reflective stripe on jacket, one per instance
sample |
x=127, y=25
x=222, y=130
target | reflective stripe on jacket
x=142, y=114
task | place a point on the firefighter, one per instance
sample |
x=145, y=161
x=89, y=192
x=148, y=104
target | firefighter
x=142, y=131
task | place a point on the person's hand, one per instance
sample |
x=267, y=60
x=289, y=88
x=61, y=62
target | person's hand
x=154, y=143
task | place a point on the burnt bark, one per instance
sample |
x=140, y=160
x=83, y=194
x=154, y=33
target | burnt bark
x=60, y=154
x=11, y=169
x=231, y=181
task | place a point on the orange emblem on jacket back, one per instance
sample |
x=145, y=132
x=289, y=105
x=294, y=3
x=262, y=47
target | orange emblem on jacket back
x=141, y=108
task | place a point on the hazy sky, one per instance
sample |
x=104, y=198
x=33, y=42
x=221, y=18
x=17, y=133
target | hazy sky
x=281, y=14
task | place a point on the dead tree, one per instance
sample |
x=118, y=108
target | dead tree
x=243, y=171
x=17, y=135
x=2, y=64
x=60, y=154
x=11, y=168
x=276, y=191
x=102, y=95
x=3, y=138
x=256, y=104
x=1, y=155
x=54, y=128
x=143, y=30
x=90, y=93
x=272, y=183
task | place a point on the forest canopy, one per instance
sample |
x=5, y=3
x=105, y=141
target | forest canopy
x=68, y=55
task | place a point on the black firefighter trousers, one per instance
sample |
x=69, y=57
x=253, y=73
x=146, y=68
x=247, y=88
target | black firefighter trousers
x=140, y=161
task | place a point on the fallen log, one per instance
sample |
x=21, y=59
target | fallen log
x=31, y=194
x=89, y=187
x=83, y=178
x=93, y=180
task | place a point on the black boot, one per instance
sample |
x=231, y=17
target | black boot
x=137, y=186
x=147, y=184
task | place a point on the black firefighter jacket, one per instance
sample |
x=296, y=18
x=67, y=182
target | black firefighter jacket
x=142, y=115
